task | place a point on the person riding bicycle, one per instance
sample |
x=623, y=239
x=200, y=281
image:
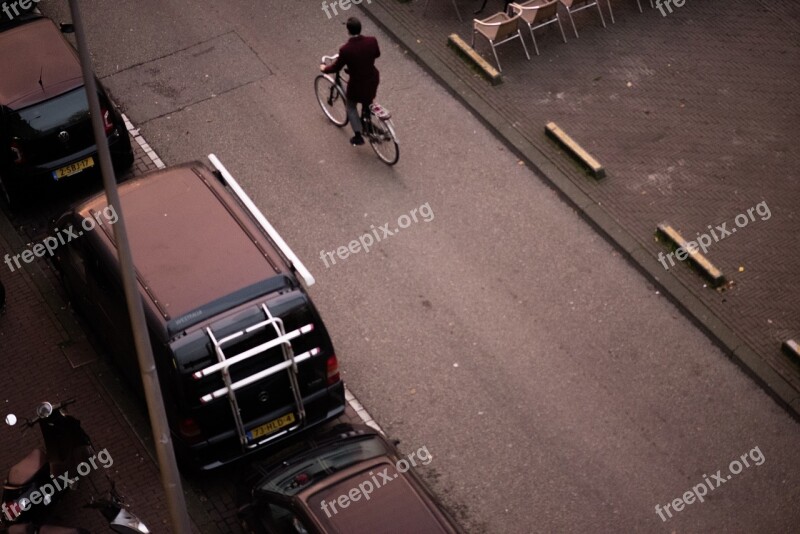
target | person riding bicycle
x=358, y=54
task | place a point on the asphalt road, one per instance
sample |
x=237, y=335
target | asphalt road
x=554, y=387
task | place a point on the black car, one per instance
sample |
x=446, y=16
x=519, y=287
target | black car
x=46, y=135
x=350, y=480
x=242, y=354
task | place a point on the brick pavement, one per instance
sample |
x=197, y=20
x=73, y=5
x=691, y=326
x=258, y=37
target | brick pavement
x=693, y=116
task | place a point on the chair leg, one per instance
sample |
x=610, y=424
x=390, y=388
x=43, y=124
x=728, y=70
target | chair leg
x=499, y=68
x=639, y=2
x=457, y=12
x=560, y=27
x=599, y=10
x=533, y=38
x=651, y=5
x=521, y=40
x=611, y=12
x=573, y=23
x=472, y=44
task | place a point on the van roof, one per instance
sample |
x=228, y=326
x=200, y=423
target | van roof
x=32, y=51
x=192, y=243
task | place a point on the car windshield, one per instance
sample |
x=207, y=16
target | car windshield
x=323, y=463
x=57, y=112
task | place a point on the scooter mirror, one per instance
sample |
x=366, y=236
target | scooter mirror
x=44, y=410
x=11, y=419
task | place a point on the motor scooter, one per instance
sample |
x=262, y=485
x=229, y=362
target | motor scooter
x=44, y=529
x=39, y=478
x=118, y=517
x=66, y=444
x=113, y=509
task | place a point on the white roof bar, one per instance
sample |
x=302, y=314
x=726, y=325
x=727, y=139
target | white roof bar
x=252, y=352
x=249, y=329
x=258, y=376
x=295, y=262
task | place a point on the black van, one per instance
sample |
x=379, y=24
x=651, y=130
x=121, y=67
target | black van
x=243, y=357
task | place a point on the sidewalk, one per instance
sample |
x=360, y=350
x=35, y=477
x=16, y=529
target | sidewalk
x=693, y=116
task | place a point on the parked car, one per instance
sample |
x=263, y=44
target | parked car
x=46, y=135
x=221, y=291
x=350, y=480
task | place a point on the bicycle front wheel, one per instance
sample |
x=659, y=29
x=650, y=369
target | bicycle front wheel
x=331, y=99
x=383, y=140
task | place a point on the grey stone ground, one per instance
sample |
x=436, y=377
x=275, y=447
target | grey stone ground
x=693, y=114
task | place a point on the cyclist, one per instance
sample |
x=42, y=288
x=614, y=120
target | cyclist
x=358, y=54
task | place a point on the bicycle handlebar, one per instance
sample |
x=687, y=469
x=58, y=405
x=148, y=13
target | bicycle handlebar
x=334, y=57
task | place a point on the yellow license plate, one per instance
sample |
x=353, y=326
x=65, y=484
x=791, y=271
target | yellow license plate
x=73, y=168
x=272, y=426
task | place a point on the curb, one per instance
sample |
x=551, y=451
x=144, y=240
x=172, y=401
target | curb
x=573, y=148
x=681, y=246
x=463, y=49
x=720, y=333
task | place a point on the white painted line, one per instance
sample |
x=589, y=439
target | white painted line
x=359, y=408
x=142, y=143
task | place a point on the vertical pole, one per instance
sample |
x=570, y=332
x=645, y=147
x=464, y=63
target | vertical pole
x=170, y=478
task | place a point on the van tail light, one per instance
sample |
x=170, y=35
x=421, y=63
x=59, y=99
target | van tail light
x=333, y=370
x=17, y=155
x=190, y=430
x=107, y=124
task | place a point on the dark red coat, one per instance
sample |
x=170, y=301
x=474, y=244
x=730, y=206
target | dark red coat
x=359, y=55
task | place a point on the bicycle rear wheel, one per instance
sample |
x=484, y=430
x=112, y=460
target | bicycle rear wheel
x=383, y=140
x=331, y=99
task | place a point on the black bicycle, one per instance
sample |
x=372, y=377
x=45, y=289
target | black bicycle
x=376, y=121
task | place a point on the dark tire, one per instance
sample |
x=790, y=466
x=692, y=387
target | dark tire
x=383, y=141
x=331, y=99
x=123, y=158
x=9, y=195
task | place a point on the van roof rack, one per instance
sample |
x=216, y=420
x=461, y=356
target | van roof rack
x=273, y=234
x=289, y=364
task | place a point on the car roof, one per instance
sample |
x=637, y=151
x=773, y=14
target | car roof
x=192, y=243
x=396, y=504
x=32, y=50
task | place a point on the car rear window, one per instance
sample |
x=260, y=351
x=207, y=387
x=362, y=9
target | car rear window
x=378, y=499
x=324, y=463
x=63, y=110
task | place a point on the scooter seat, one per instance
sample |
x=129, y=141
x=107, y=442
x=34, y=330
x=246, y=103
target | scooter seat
x=24, y=471
x=44, y=529
x=50, y=529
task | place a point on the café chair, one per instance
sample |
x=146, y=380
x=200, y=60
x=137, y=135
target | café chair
x=573, y=6
x=537, y=14
x=498, y=29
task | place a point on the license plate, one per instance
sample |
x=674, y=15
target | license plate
x=73, y=168
x=272, y=426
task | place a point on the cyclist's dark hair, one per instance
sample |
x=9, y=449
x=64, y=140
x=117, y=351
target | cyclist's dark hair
x=353, y=26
